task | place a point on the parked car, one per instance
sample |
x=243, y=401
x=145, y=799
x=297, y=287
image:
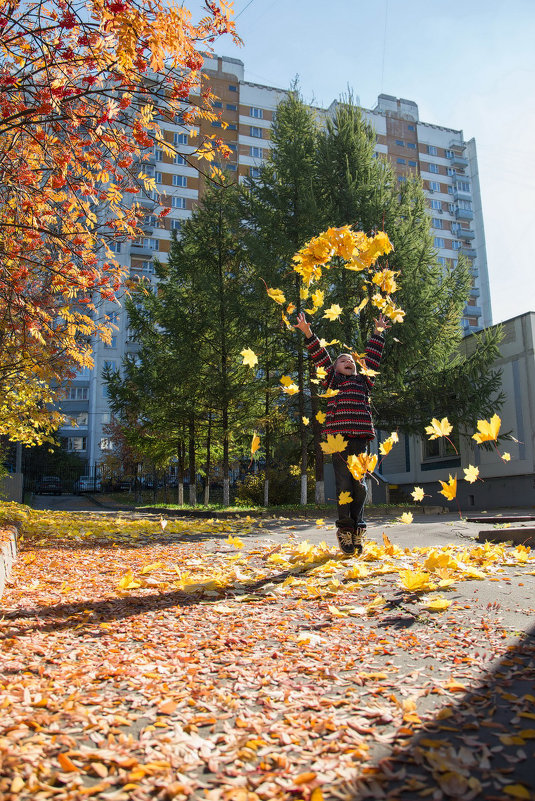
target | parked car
x=86, y=484
x=49, y=485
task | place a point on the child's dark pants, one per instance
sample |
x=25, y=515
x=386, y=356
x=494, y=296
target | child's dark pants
x=350, y=515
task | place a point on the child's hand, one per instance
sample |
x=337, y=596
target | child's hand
x=302, y=325
x=382, y=324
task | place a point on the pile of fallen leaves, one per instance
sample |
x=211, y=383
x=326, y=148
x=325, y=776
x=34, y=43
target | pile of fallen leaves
x=145, y=658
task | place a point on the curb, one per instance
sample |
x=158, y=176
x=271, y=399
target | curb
x=518, y=536
x=8, y=554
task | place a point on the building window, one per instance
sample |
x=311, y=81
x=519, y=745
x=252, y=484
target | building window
x=462, y=186
x=451, y=172
x=465, y=204
x=76, y=443
x=232, y=88
x=411, y=145
x=106, y=444
x=400, y=161
x=82, y=419
x=401, y=179
x=441, y=260
x=178, y=159
x=178, y=202
x=449, y=154
x=254, y=172
x=180, y=180
x=77, y=393
x=436, y=205
x=410, y=127
x=437, y=222
x=112, y=343
x=232, y=107
x=147, y=267
x=412, y=163
x=439, y=242
x=456, y=245
x=115, y=247
x=180, y=139
x=433, y=168
x=431, y=150
x=400, y=142
x=451, y=208
x=158, y=177
x=232, y=126
x=176, y=225
x=232, y=146
x=216, y=123
x=441, y=448
x=256, y=152
x=258, y=113
x=231, y=167
x=256, y=132
x=434, y=186
x=218, y=104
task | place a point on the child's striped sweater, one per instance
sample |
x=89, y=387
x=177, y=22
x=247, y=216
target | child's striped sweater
x=348, y=412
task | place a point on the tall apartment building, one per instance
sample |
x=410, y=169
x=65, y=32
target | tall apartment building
x=446, y=163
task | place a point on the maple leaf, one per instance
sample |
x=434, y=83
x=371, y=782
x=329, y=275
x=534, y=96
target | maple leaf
x=321, y=372
x=249, y=357
x=471, y=473
x=255, y=443
x=290, y=389
x=277, y=295
x=321, y=417
x=235, y=541
x=305, y=420
x=325, y=344
x=386, y=446
x=330, y=393
x=406, y=518
x=345, y=497
x=361, y=464
x=334, y=444
x=418, y=494
x=333, y=312
x=439, y=428
x=361, y=305
x=506, y=457
x=449, y=488
x=414, y=580
x=487, y=429
x=436, y=603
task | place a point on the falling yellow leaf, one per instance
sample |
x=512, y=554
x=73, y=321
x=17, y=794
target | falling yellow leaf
x=321, y=372
x=418, y=494
x=449, y=488
x=330, y=393
x=249, y=357
x=320, y=522
x=487, y=430
x=291, y=389
x=334, y=444
x=471, y=473
x=517, y=791
x=345, y=497
x=386, y=446
x=439, y=428
x=506, y=457
x=276, y=295
x=235, y=541
x=255, y=443
x=361, y=305
x=406, y=518
x=325, y=344
x=333, y=312
x=305, y=420
x=286, y=380
x=320, y=417
x=361, y=464
x=290, y=308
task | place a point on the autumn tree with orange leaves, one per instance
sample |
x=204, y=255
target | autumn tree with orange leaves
x=82, y=85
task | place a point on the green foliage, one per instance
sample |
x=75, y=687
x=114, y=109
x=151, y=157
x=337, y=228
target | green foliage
x=283, y=488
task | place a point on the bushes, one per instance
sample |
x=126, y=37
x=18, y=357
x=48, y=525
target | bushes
x=283, y=489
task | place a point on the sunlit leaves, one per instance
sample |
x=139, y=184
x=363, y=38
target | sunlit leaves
x=439, y=428
x=334, y=444
x=361, y=464
x=449, y=488
x=249, y=357
x=471, y=473
x=406, y=518
x=255, y=443
x=277, y=295
x=386, y=445
x=417, y=494
x=488, y=430
x=333, y=312
x=321, y=417
x=345, y=497
x=415, y=580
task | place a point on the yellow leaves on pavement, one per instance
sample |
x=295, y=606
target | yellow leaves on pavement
x=249, y=357
x=415, y=580
x=333, y=312
x=235, y=541
x=345, y=497
x=436, y=603
x=449, y=488
x=334, y=444
x=439, y=428
x=488, y=430
x=321, y=417
x=277, y=295
x=517, y=791
x=471, y=473
x=128, y=582
x=418, y=494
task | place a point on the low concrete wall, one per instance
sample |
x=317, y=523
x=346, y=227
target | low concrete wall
x=8, y=554
x=11, y=487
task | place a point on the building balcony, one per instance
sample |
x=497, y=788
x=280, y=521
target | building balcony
x=460, y=194
x=464, y=214
x=474, y=270
x=475, y=292
x=465, y=233
x=457, y=160
x=473, y=311
x=470, y=253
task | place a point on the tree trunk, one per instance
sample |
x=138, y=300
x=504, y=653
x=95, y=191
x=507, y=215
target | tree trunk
x=192, y=466
x=302, y=427
x=154, y=484
x=180, y=473
x=208, y=461
x=319, y=495
x=226, y=480
x=267, y=439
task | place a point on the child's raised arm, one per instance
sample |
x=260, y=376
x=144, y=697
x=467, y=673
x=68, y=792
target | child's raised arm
x=303, y=325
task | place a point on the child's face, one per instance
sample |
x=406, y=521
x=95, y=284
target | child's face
x=345, y=364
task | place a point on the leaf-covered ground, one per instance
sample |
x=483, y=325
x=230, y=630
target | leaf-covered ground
x=204, y=659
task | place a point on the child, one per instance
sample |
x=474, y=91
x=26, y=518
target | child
x=348, y=414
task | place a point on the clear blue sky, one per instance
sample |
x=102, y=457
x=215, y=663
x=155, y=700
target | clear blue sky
x=469, y=66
